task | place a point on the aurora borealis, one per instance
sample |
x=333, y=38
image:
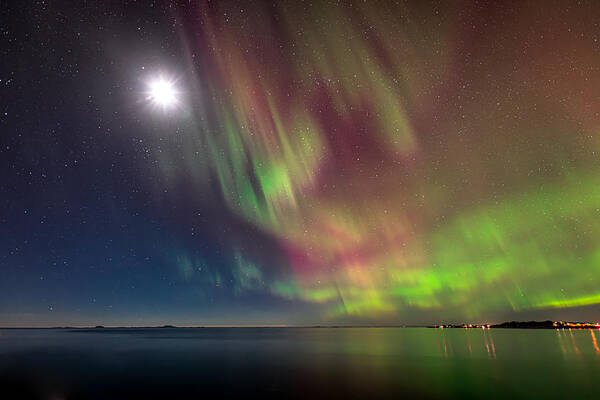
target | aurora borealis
x=326, y=162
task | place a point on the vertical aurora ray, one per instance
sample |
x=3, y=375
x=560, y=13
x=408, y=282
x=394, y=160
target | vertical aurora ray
x=392, y=169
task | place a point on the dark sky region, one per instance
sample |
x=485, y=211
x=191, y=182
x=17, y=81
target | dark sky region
x=298, y=162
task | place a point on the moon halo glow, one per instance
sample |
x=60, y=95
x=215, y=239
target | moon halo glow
x=162, y=93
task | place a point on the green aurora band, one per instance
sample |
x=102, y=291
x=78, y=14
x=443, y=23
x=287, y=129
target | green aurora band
x=397, y=161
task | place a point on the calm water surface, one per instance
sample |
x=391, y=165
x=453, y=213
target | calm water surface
x=299, y=363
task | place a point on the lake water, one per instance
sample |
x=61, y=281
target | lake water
x=299, y=363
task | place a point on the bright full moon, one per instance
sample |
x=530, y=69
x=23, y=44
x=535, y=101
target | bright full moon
x=162, y=92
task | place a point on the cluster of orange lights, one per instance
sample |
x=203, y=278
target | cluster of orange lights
x=561, y=324
x=556, y=324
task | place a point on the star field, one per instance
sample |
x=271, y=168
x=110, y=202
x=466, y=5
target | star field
x=298, y=163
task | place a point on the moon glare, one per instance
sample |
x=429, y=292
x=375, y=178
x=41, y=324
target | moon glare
x=162, y=92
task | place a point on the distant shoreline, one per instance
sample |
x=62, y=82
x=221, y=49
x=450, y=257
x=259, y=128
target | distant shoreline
x=526, y=325
x=504, y=325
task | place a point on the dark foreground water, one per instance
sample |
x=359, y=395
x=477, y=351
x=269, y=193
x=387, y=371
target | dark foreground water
x=299, y=363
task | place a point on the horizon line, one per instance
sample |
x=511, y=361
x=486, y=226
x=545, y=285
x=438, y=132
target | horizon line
x=216, y=326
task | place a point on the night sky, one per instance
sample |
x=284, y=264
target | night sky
x=298, y=162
